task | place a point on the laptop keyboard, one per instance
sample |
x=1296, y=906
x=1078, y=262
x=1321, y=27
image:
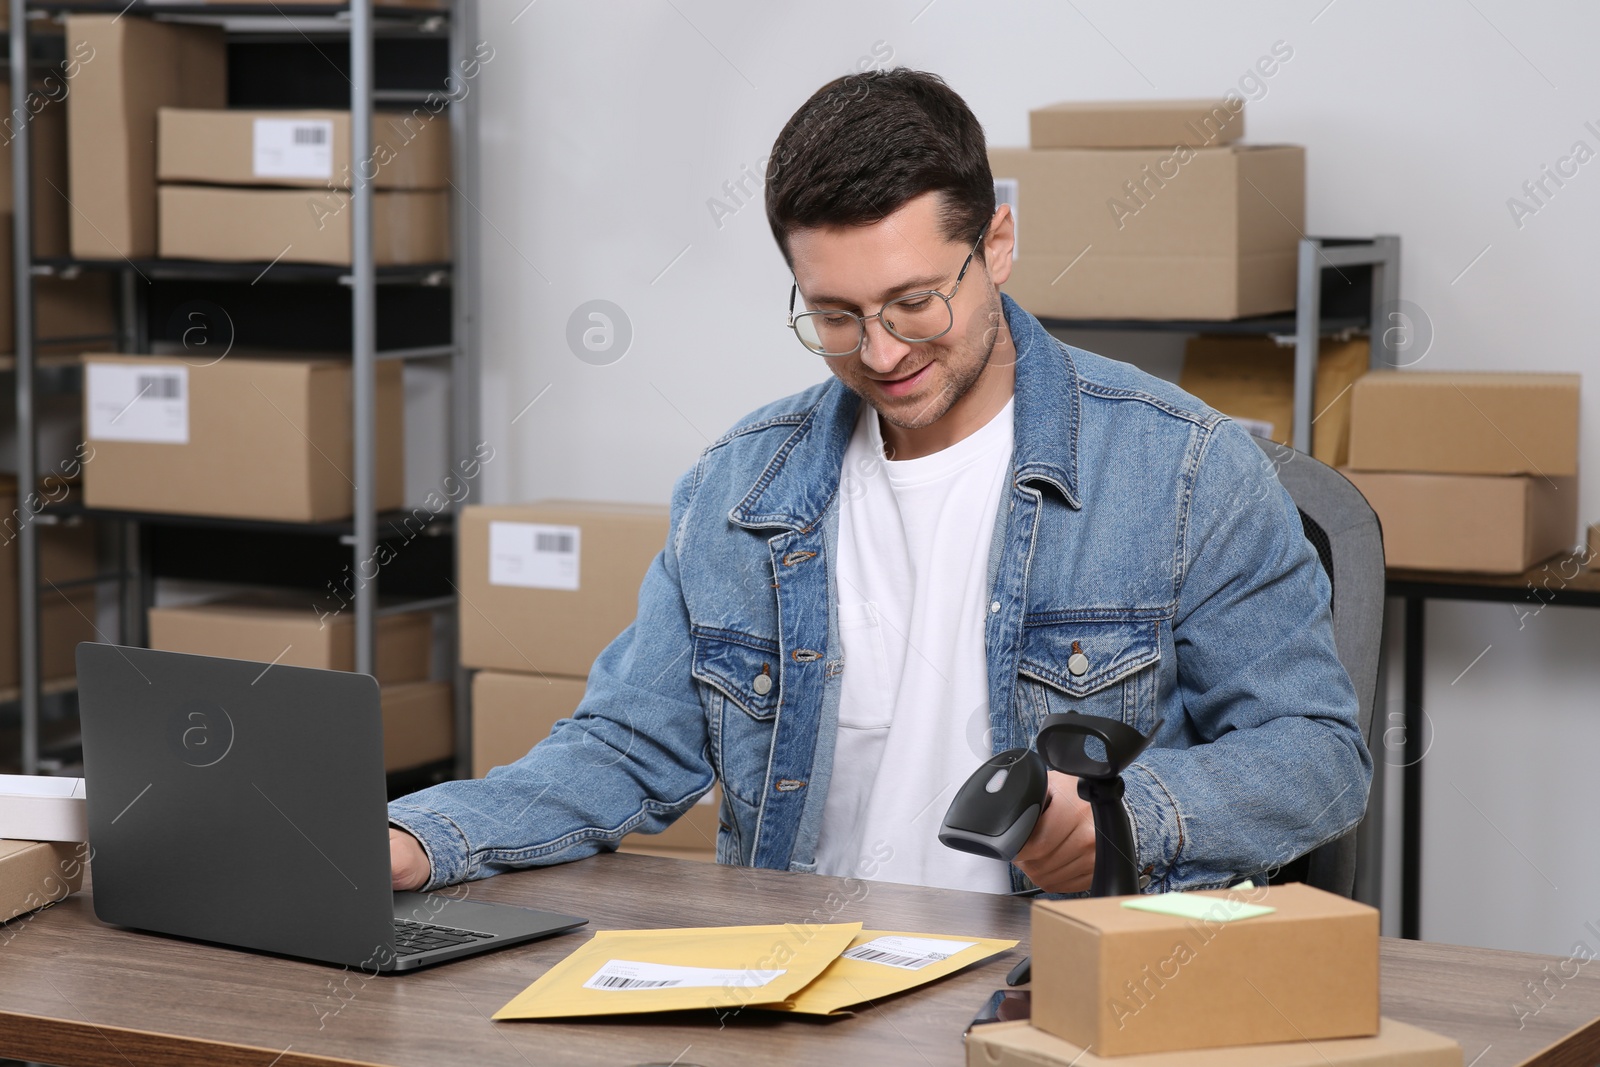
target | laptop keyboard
x=412, y=937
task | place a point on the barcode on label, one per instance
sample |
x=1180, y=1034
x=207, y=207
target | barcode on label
x=535, y=555
x=160, y=386
x=893, y=959
x=612, y=981
x=636, y=974
x=310, y=135
x=1005, y=192
x=907, y=952
x=562, y=543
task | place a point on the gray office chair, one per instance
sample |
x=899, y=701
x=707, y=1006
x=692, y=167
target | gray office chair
x=1344, y=530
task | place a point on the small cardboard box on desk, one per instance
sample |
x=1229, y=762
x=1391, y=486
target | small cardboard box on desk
x=1265, y=977
x=43, y=822
x=544, y=588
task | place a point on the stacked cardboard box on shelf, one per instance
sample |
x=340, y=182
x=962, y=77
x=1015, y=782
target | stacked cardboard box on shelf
x=544, y=588
x=269, y=185
x=1151, y=210
x=302, y=632
x=123, y=69
x=249, y=436
x=1252, y=380
x=66, y=608
x=1468, y=471
x=1281, y=976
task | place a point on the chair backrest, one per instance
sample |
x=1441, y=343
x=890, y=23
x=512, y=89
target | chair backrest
x=1344, y=530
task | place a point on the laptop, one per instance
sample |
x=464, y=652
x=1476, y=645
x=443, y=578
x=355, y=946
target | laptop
x=244, y=804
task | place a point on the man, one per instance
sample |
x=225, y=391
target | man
x=873, y=585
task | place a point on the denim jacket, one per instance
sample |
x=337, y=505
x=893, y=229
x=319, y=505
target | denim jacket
x=1140, y=526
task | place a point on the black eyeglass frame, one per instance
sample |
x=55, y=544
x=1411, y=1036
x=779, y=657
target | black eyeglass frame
x=861, y=320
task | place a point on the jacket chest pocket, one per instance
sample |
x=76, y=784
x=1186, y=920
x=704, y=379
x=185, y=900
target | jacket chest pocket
x=740, y=685
x=1104, y=667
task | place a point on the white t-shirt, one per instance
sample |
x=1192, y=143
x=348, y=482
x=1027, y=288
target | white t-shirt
x=914, y=540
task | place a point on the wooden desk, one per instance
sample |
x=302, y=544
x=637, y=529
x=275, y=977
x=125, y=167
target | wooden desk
x=1559, y=580
x=74, y=992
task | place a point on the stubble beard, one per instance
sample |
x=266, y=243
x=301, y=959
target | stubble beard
x=990, y=320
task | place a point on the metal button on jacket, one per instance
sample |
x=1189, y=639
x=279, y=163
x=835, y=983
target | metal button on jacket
x=762, y=684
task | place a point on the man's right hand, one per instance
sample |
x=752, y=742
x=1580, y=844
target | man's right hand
x=408, y=864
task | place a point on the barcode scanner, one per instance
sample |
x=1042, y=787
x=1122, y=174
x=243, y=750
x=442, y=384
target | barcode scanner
x=995, y=811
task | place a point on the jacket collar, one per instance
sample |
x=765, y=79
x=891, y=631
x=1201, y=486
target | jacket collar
x=799, y=482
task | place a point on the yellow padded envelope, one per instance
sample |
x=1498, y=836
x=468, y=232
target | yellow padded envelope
x=880, y=963
x=620, y=972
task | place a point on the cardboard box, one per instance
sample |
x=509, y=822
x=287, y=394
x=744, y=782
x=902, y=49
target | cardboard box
x=546, y=586
x=258, y=438
x=513, y=712
x=1483, y=523
x=1397, y=1044
x=67, y=311
x=298, y=633
x=66, y=615
x=1123, y=981
x=39, y=807
x=1136, y=123
x=47, y=161
x=36, y=873
x=122, y=69
x=1593, y=557
x=1252, y=380
x=1449, y=422
x=300, y=226
x=1140, y=233
x=418, y=724
x=639, y=845
x=300, y=148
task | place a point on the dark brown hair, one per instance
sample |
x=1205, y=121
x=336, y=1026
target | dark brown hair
x=866, y=143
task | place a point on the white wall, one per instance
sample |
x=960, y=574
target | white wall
x=608, y=126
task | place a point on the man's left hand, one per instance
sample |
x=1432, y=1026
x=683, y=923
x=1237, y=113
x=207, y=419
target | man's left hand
x=1059, y=855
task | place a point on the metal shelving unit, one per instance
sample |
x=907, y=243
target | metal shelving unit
x=1328, y=301
x=360, y=25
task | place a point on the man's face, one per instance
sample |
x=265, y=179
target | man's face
x=859, y=268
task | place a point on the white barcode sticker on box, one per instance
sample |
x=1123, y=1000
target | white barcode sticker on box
x=293, y=148
x=1256, y=427
x=910, y=953
x=1005, y=192
x=629, y=974
x=146, y=402
x=534, y=555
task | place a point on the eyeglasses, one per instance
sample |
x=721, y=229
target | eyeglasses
x=913, y=318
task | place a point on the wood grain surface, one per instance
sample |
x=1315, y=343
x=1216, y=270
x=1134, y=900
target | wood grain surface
x=75, y=991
